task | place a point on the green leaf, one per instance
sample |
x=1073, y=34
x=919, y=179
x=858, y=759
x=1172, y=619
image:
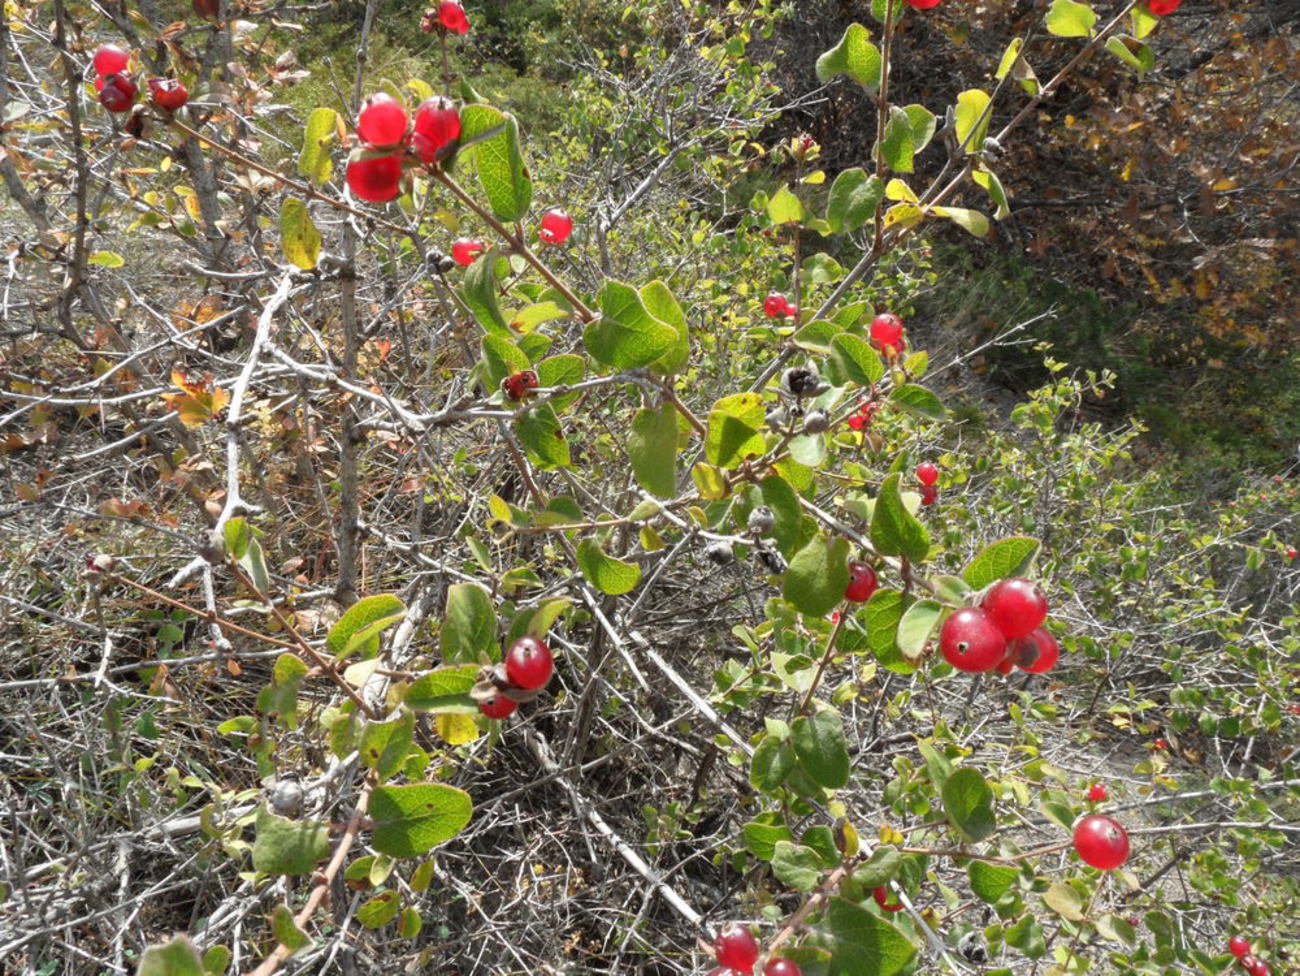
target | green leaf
x=735, y=425
x=853, y=199
x=817, y=576
x=1064, y=900
x=820, y=746
x=500, y=164
x=216, y=960
x=107, y=259
x=1006, y=557
x=919, y=401
x=923, y=125
x=1132, y=52
x=971, y=221
x=175, y=958
x=972, y=120
x=854, y=56
x=997, y=193
x=411, y=922
x=783, y=500
x=853, y=358
x=865, y=944
x=796, y=865
x=626, y=336
x=968, y=802
x=409, y=820
x=528, y=318
x=561, y=370
x=286, y=930
x=894, y=530
x=607, y=574
x=444, y=690
x=652, y=448
x=379, y=910
x=314, y=160
x=1143, y=21
x=882, y=868
x=784, y=207
x=772, y=762
x=238, y=536
x=916, y=627
x=990, y=882
x=1027, y=936
x=882, y=614
x=469, y=631
x=1065, y=18
x=384, y=745
x=1018, y=67
x=821, y=839
x=479, y=291
x=897, y=147
x=539, y=432
x=280, y=697
x=659, y=301
x=285, y=846
x=501, y=358
x=299, y=237
x=904, y=215
x=382, y=607
x=761, y=835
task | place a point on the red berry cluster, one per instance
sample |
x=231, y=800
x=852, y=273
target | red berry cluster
x=1004, y=631
x=777, y=306
x=927, y=472
x=526, y=670
x=116, y=88
x=374, y=173
x=446, y=17
x=1239, y=946
x=1101, y=841
x=736, y=951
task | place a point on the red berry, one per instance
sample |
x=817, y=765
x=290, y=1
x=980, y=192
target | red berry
x=110, y=60
x=1162, y=8
x=927, y=473
x=1101, y=841
x=118, y=93
x=736, y=948
x=168, y=93
x=862, y=583
x=922, y=4
x=1037, y=652
x=519, y=385
x=529, y=664
x=382, y=120
x=452, y=16
x=776, y=305
x=1016, y=605
x=858, y=421
x=1239, y=946
x=886, y=330
x=556, y=226
x=1258, y=968
x=464, y=251
x=375, y=179
x=970, y=641
x=1160, y=745
x=881, y=895
x=929, y=495
x=1097, y=793
x=437, y=125
x=498, y=706
x=1292, y=552
x=1007, y=663
x=780, y=966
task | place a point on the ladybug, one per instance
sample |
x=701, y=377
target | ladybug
x=520, y=385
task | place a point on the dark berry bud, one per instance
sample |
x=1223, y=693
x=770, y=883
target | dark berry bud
x=816, y=422
x=800, y=381
x=719, y=553
x=761, y=520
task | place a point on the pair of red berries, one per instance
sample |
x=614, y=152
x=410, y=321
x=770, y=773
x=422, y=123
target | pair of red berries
x=374, y=173
x=1097, y=793
x=777, y=306
x=887, y=334
x=1003, y=632
x=1101, y=841
x=448, y=16
x=520, y=386
x=736, y=951
x=528, y=667
x=1239, y=946
x=865, y=415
